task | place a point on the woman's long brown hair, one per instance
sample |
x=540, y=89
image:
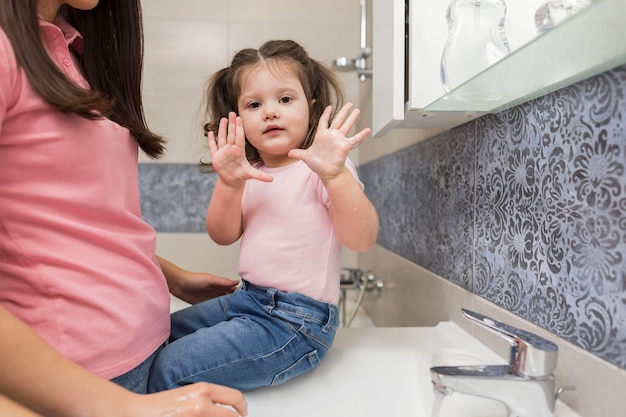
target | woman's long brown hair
x=112, y=63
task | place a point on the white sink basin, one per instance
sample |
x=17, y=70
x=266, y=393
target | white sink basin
x=383, y=372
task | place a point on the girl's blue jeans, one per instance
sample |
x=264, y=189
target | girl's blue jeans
x=252, y=338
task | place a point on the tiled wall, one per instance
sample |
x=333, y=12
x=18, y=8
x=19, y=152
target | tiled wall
x=526, y=208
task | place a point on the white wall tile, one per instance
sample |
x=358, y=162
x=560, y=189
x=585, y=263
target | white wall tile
x=177, y=115
x=323, y=42
x=336, y=12
x=197, y=252
x=179, y=55
x=207, y=10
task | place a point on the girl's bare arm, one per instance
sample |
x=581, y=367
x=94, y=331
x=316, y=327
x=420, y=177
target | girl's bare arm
x=224, y=215
x=224, y=221
x=353, y=215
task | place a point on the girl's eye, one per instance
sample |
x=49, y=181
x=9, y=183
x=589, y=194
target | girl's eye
x=285, y=99
x=254, y=105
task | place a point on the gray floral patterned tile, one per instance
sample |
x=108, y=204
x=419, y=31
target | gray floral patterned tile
x=424, y=198
x=175, y=197
x=551, y=213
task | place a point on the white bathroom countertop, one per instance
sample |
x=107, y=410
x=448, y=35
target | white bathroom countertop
x=380, y=372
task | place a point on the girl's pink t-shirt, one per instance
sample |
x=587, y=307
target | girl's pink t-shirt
x=289, y=242
x=77, y=262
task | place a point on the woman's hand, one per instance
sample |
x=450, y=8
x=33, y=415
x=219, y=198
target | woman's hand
x=228, y=153
x=327, y=155
x=197, y=400
x=195, y=287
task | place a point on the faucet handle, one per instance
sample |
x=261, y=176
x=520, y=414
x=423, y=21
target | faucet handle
x=531, y=355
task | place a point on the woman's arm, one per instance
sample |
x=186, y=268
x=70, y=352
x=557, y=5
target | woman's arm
x=39, y=378
x=12, y=409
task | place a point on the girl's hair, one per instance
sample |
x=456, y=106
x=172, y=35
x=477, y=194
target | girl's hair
x=112, y=63
x=320, y=85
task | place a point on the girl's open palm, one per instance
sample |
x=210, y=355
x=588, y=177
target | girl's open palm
x=327, y=155
x=228, y=153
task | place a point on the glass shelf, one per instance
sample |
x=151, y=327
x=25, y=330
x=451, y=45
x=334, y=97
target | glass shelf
x=590, y=42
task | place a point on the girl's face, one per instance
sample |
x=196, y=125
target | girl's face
x=274, y=111
x=48, y=8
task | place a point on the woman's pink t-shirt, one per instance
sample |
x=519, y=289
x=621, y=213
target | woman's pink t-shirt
x=77, y=262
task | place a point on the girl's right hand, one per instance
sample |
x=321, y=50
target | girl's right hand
x=197, y=400
x=228, y=153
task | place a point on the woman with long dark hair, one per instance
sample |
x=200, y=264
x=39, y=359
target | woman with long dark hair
x=83, y=297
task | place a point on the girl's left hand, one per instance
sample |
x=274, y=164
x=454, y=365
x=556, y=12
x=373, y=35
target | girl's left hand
x=327, y=155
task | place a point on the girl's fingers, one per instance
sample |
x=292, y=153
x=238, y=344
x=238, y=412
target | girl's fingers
x=360, y=136
x=240, y=136
x=324, y=118
x=341, y=116
x=350, y=121
x=343, y=121
x=211, y=142
x=231, y=135
x=230, y=131
x=221, y=132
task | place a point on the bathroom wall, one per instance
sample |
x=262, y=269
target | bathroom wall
x=523, y=212
x=185, y=42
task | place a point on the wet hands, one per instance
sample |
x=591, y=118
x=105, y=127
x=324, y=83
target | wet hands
x=327, y=155
x=197, y=400
x=228, y=153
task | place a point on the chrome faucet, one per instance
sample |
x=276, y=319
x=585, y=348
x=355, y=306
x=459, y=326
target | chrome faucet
x=526, y=385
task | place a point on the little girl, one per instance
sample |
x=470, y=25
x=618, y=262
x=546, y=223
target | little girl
x=303, y=203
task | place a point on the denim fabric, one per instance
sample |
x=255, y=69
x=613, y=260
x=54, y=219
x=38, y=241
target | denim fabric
x=136, y=380
x=252, y=338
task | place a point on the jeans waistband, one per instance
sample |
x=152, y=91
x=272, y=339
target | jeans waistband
x=294, y=302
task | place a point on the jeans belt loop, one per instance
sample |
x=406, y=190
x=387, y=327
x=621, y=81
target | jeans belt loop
x=271, y=297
